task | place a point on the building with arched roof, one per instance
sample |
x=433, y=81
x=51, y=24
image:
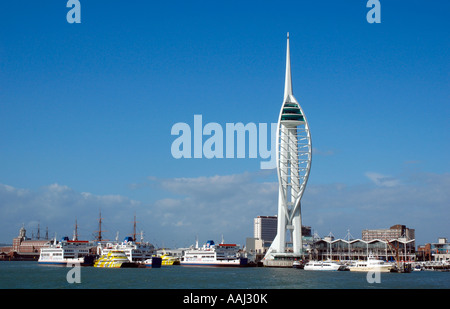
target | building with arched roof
x=358, y=249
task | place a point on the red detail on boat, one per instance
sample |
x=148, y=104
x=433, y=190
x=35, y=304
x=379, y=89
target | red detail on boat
x=82, y=241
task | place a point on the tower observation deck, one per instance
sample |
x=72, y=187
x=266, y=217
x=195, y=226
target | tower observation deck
x=293, y=155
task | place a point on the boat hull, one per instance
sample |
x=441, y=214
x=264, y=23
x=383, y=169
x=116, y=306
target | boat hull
x=154, y=262
x=384, y=269
x=325, y=268
x=84, y=261
x=68, y=264
x=231, y=263
x=322, y=266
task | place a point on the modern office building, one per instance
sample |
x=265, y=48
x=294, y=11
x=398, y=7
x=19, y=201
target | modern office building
x=394, y=232
x=265, y=228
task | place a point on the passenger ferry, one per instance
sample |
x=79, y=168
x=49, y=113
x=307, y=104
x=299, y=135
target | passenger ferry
x=135, y=251
x=168, y=260
x=162, y=260
x=66, y=252
x=323, y=265
x=114, y=259
x=372, y=264
x=222, y=255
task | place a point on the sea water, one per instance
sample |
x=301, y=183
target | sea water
x=30, y=275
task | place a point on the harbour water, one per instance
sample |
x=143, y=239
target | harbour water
x=30, y=275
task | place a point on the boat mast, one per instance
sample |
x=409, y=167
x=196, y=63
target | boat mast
x=75, y=232
x=99, y=232
x=38, y=236
x=134, y=228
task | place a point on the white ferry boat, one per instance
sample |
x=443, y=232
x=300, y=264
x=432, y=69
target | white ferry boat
x=135, y=251
x=323, y=265
x=67, y=252
x=372, y=264
x=222, y=255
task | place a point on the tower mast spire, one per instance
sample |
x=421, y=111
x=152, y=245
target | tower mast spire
x=293, y=154
x=288, y=78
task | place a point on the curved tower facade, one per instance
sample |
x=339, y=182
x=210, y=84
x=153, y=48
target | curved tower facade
x=293, y=154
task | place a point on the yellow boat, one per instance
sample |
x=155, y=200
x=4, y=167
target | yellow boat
x=114, y=259
x=168, y=260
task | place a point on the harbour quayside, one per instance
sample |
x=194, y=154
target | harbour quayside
x=210, y=254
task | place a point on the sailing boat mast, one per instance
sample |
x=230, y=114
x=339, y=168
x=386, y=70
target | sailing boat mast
x=99, y=232
x=134, y=228
x=75, y=232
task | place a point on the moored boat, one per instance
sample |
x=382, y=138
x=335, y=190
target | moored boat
x=323, y=265
x=153, y=262
x=222, y=255
x=67, y=253
x=135, y=251
x=114, y=259
x=168, y=260
x=371, y=264
x=298, y=264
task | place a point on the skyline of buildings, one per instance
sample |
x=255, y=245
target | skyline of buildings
x=382, y=242
x=26, y=248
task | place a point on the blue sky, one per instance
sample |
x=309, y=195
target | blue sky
x=86, y=112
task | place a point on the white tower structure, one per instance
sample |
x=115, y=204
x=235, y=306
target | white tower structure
x=293, y=155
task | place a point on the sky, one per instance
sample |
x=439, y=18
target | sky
x=87, y=109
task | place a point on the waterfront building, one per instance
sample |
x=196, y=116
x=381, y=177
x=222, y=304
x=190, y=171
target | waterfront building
x=358, y=249
x=394, y=232
x=440, y=251
x=293, y=157
x=23, y=248
x=423, y=252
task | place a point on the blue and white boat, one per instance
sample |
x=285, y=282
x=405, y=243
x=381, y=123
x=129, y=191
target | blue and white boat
x=67, y=253
x=222, y=255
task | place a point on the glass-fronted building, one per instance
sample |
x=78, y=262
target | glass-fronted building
x=358, y=249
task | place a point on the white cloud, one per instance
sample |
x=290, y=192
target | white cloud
x=57, y=207
x=212, y=206
x=382, y=180
x=319, y=152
